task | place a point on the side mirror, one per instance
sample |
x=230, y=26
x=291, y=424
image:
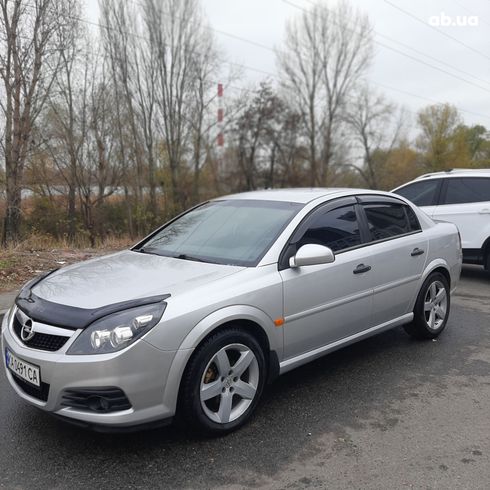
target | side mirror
x=311, y=254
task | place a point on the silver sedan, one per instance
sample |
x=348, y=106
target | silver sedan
x=197, y=318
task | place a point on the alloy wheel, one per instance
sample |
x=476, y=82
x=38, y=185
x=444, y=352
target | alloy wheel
x=229, y=383
x=435, y=305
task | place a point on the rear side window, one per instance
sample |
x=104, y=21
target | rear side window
x=388, y=220
x=412, y=219
x=423, y=193
x=467, y=189
x=337, y=229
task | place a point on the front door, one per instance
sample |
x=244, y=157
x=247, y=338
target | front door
x=328, y=302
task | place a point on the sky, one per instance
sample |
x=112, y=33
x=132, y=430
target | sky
x=462, y=76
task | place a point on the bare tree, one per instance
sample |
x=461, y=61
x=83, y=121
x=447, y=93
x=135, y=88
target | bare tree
x=376, y=127
x=28, y=64
x=326, y=52
x=68, y=109
x=101, y=171
x=78, y=131
x=202, y=120
x=268, y=148
x=177, y=33
x=126, y=49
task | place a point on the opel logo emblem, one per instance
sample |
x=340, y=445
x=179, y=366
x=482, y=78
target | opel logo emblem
x=27, y=331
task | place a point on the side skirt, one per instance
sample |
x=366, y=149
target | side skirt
x=297, y=361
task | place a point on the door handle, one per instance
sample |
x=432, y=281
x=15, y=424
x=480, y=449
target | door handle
x=417, y=251
x=484, y=211
x=361, y=268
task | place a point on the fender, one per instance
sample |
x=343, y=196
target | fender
x=235, y=312
x=429, y=268
x=205, y=327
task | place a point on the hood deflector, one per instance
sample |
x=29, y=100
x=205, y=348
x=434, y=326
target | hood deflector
x=66, y=316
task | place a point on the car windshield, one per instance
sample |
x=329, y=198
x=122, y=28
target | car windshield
x=235, y=232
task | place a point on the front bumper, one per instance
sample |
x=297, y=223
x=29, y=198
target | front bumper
x=141, y=371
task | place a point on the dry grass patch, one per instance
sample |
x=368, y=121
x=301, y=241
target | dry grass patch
x=39, y=254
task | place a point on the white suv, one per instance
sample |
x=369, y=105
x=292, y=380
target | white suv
x=462, y=197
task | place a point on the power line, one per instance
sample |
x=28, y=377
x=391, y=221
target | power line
x=472, y=13
x=427, y=99
x=406, y=46
x=223, y=33
x=143, y=38
x=269, y=48
x=406, y=92
x=391, y=48
x=442, y=33
x=272, y=75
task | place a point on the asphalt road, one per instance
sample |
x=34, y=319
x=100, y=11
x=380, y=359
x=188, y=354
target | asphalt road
x=389, y=412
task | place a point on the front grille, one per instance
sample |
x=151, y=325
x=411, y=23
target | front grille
x=41, y=341
x=102, y=400
x=41, y=393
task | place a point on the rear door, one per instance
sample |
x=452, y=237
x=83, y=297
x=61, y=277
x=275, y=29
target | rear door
x=327, y=302
x=465, y=201
x=423, y=193
x=398, y=252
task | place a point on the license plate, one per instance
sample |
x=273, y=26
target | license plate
x=28, y=372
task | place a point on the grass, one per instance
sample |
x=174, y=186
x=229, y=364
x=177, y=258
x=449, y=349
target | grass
x=6, y=263
x=40, y=253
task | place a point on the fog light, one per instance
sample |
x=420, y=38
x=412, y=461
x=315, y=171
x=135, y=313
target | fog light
x=98, y=404
x=99, y=338
x=120, y=335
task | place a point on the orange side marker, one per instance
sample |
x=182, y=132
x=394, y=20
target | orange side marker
x=279, y=322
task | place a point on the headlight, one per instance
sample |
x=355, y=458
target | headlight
x=117, y=331
x=8, y=316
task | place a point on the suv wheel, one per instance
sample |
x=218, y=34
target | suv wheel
x=223, y=382
x=431, y=308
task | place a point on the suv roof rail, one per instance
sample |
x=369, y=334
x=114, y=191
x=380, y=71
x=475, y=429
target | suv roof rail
x=451, y=170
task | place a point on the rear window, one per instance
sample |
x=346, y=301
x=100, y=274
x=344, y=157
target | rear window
x=388, y=220
x=422, y=193
x=467, y=189
x=412, y=219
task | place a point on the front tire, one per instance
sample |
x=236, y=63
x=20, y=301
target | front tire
x=431, y=308
x=223, y=382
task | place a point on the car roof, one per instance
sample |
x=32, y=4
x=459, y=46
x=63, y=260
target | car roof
x=457, y=172
x=299, y=195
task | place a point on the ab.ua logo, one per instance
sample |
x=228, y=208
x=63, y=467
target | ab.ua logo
x=443, y=20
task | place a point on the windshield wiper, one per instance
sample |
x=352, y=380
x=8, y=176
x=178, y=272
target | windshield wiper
x=189, y=257
x=155, y=251
x=197, y=259
x=146, y=250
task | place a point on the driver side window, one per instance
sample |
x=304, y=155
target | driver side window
x=337, y=229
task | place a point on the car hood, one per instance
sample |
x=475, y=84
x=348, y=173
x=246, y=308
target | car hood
x=126, y=276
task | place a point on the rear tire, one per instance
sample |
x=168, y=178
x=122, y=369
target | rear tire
x=431, y=309
x=223, y=382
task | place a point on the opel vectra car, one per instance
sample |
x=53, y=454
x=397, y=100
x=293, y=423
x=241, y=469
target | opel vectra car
x=195, y=319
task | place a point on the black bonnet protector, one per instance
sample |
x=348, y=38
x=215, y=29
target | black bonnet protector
x=58, y=315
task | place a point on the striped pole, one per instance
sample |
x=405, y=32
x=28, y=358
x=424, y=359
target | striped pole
x=221, y=136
